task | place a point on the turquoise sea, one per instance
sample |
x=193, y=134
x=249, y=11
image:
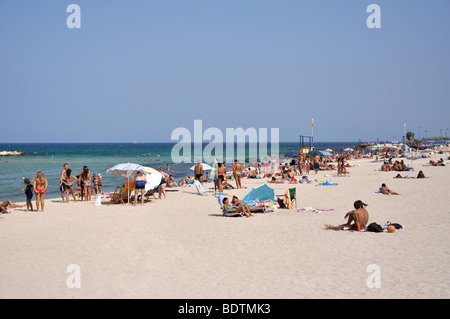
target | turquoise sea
x=50, y=157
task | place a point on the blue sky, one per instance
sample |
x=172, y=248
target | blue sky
x=136, y=70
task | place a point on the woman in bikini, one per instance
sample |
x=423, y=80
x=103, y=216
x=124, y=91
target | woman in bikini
x=40, y=185
x=99, y=184
x=95, y=182
x=67, y=181
x=229, y=208
x=86, y=179
x=237, y=172
x=238, y=203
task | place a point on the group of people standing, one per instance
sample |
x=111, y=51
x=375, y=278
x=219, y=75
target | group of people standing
x=84, y=183
x=221, y=181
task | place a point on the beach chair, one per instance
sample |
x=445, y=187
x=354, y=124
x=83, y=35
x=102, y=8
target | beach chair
x=228, y=214
x=290, y=198
x=120, y=194
x=151, y=192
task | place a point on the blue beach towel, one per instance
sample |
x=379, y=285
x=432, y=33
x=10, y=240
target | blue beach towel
x=327, y=183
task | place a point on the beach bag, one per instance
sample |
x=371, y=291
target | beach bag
x=281, y=203
x=396, y=225
x=374, y=227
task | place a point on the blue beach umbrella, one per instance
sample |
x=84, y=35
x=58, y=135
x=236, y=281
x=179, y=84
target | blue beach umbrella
x=259, y=194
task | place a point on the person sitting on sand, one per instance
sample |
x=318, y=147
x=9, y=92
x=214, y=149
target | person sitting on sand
x=226, y=185
x=171, y=181
x=386, y=191
x=403, y=166
x=229, y=208
x=421, y=175
x=4, y=206
x=356, y=219
x=396, y=166
x=386, y=167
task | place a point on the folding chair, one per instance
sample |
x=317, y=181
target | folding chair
x=290, y=198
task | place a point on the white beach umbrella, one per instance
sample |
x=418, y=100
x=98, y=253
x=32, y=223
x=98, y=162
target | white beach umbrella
x=126, y=170
x=205, y=166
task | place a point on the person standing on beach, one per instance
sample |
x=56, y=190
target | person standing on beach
x=237, y=172
x=162, y=185
x=28, y=194
x=40, y=185
x=61, y=177
x=99, y=183
x=300, y=165
x=220, y=177
x=198, y=171
x=316, y=161
x=139, y=186
x=67, y=183
x=86, y=179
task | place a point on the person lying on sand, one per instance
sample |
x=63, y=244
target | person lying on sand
x=4, y=206
x=386, y=191
x=356, y=219
x=229, y=208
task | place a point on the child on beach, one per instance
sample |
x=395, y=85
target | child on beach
x=29, y=194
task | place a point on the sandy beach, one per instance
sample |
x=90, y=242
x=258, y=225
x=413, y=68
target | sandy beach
x=182, y=247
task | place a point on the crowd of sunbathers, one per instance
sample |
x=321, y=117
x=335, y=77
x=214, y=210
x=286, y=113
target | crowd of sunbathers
x=398, y=166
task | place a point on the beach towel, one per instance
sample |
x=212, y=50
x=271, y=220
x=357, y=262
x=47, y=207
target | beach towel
x=316, y=210
x=199, y=187
x=351, y=228
x=327, y=183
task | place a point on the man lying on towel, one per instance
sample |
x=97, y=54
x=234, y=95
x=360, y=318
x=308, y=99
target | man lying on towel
x=357, y=218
